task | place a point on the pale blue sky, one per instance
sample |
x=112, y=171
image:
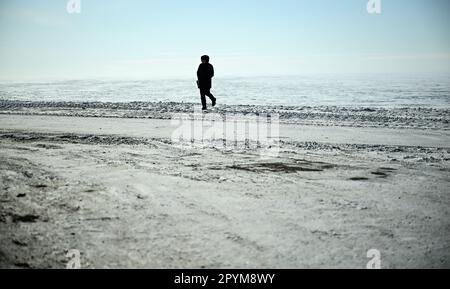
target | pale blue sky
x=165, y=38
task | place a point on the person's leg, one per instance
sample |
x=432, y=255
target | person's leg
x=203, y=97
x=213, y=99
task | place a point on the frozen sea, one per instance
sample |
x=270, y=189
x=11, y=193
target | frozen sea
x=304, y=90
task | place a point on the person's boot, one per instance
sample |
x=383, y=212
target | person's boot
x=214, y=101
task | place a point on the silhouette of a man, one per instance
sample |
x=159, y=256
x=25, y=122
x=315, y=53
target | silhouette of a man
x=205, y=73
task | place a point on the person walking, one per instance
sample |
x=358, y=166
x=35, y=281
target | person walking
x=205, y=73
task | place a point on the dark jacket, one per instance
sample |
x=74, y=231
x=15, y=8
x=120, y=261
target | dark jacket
x=204, y=74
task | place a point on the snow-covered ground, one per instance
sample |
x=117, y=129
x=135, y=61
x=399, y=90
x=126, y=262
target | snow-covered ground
x=122, y=193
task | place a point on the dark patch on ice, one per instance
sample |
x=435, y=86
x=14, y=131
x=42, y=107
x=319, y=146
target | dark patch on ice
x=383, y=172
x=22, y=265
x=19, y=243
x=379, y=174
x=48, y=146
x=28, y=218
x=39, y=186
x=359, y=179
x=440, y=154
x=387, y=169
x=103, y=219
x=280, y=167
x=74, y=139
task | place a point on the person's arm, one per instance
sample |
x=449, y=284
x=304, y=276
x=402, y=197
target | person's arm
x=212, y=71
x=198, y=72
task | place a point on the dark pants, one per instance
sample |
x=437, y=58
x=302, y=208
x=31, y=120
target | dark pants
x=203, y=93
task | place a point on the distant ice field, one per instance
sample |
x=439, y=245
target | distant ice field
x=308, y=90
